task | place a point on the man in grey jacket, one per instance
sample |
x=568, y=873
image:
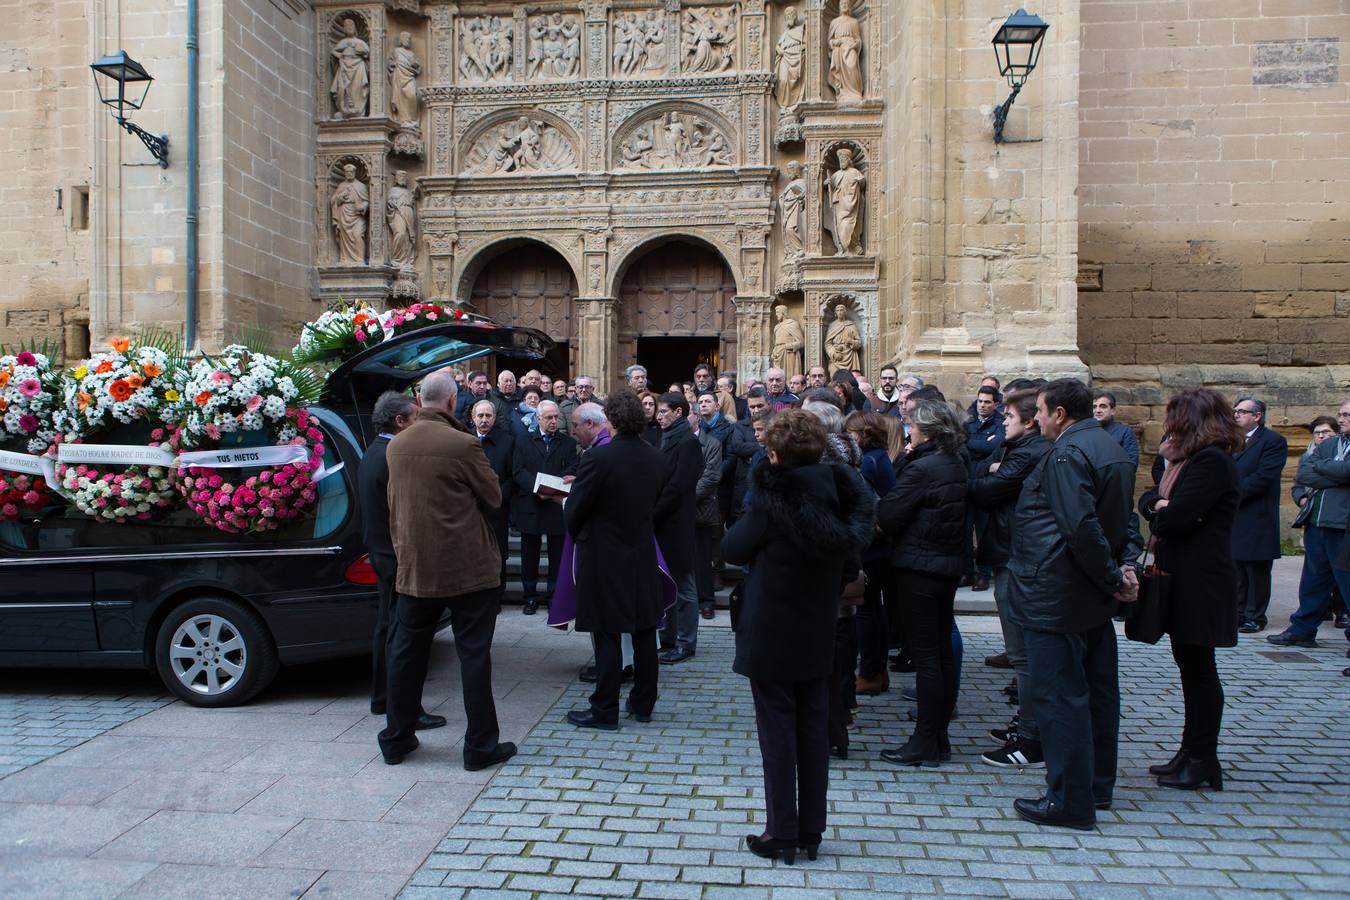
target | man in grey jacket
x=1070, y=538
x=1326, y=473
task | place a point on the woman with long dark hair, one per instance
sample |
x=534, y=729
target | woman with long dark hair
x=873, y=436
x=1191, y=512
x=652, y=432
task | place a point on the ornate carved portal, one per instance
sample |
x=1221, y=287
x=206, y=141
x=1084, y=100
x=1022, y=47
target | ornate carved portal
x=678, y=290
x=529, y=285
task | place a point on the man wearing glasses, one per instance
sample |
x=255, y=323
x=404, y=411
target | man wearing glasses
x=1326, y=473
x=1256, y=530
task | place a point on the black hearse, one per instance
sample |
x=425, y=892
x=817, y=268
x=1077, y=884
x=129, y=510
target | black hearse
x=216, y=614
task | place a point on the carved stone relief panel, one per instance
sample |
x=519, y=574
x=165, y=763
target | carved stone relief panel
x=844, y=212
x=554, y=48
x=641, y=43
x=349, y=62
x=519, y=146
x=674, y=139
x=708, y=40
x=442, y=40
x=486, y=49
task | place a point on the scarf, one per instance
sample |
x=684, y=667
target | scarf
x=672, y=435
x=528, y=417
x=893, y=398
x=1175, y=464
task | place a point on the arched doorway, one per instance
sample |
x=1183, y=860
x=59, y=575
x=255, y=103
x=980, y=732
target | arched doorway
x=675, y=311
x=530, y=284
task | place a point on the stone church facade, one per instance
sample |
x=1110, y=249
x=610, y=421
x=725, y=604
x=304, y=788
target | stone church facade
x=654, y=179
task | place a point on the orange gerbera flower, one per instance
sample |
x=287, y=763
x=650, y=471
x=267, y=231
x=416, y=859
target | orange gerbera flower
x=151, y=370
x=120, y=390
x=203, y=398
x=4, y=377
x=135, y=381
x=104, y=367
x=4, y=404
x=84, y=399
x=120, y=344
x=361, y=319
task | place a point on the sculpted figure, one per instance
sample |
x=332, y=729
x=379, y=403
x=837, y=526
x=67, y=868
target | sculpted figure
x=404, y=67
x=654, y=36
x=629, y=44
x=791, y=53
x=792, y=202
x=842, y=342
x=709, y=44
x=350, y=87
x=570, y=65
x=847, y=199
x=786, y=352
x=348, y=207
x=400, y=210
x=846, y=40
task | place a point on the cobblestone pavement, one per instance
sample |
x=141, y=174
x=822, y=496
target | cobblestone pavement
x=661, y=810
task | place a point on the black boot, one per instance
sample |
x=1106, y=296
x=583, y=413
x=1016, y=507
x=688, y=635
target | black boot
x=915, y=752
x=809, y=844
x=1194, y=774
x=1172, y=766
x=772, y=848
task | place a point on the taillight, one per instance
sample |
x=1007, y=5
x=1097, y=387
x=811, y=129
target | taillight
x=361, y=571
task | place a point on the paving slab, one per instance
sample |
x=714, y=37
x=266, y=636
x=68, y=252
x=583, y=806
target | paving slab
x=173, y=881
x=224, y=839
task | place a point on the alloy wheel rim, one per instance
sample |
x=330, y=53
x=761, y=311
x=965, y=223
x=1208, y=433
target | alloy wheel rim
x=208, y=655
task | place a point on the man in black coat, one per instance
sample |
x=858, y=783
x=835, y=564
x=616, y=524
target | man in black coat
x=393, y=412
x=552, y=453
x=609, y=514
x=1256, y=532
x=674, y=517
x=498, y=445
x=1070, y=542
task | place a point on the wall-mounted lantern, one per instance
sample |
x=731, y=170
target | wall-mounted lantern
x=1017, y=47
x=132, y=84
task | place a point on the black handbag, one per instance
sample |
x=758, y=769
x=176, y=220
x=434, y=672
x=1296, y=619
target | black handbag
x=1146, y=618
x=1304, y=513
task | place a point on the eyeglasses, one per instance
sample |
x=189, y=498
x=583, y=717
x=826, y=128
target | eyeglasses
x=1322, y=432
x=1237, y=410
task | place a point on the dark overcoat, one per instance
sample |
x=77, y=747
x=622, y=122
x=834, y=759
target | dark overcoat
x=372, y=486
x=609, y=516
x=1256, y=531
x=802, y=535
x=529, y=457
x=499, y=445
x=925, y=512
x=677, y=505
x=1194, y=540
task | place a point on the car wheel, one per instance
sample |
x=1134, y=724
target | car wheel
x=215, y=652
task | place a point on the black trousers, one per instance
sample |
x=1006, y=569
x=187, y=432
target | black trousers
x=926, y=610
x=707, y=544
x=1202, y=693
x=473, y=617
x=380, y=640
x=1075, y=699
x=500, y=524
x=842, y=680
x=530, y=544
x=791, y=718
x=1253, y=589
x=870, y=619
x=609, y=674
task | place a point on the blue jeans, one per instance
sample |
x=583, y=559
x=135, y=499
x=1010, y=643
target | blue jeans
x=1320, y=546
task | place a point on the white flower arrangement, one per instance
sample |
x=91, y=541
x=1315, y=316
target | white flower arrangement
x=239, y=390
x=339, y=334
x=29, y=396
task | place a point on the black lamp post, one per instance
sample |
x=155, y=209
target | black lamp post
x=1017, y=47
x=133, y=83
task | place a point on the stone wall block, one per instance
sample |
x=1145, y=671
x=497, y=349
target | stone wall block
x=1299, y=304
x=1197, y=278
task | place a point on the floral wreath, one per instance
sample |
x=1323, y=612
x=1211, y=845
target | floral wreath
x=29, y=394
x=134, y=384
x=236, y=397
x=420, y=315
x=339, y=334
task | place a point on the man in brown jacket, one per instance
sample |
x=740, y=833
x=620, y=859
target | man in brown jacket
x=441, y=492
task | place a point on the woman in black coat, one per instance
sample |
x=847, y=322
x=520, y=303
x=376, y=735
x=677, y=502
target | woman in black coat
x=923, y=517
x=802, y=534
x=1191, y=512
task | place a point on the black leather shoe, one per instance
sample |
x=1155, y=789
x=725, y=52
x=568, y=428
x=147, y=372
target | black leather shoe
x=912, y=754
x=531, y=607
x=586, y=718
x=1346, y=672
x=1102, y=804
x=1171, y=766
x=670, y=657
x=504, y=751
x=1193, y=774
x=1043, y=812
x=426, y=722
x=1249, y=627
x=772, y=848
x=587, y=674
x=1287, y=638
x=394, y=757
x=641, y=717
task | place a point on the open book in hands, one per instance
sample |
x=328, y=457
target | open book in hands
x=550, y=487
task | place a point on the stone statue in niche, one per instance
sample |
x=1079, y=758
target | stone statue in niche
x=847, y=189
x=555, y=47
x=710, y=41
x=843, y=343
x=846, y=44
x=677, y=141
x=520, y=146
x=348, y=206
x=639, y=43
x=792, y=205
x=400, y=210
x=350, y=87
x=404, y=67
x=789, y=70
x=786, y=352
x=485, y=50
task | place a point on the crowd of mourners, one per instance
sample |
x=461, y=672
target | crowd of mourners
x=852, y=513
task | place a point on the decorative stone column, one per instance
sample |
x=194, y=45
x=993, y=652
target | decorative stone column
x=754, y=317
x=441, y=252
x=597, y=40
x=597, y=337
